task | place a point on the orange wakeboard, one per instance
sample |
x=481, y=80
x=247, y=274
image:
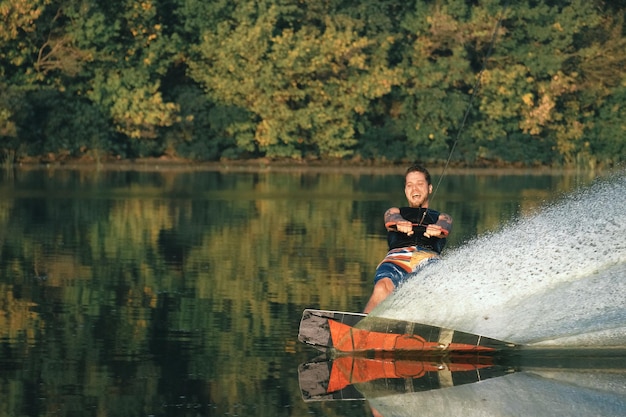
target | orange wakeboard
x=354, y=333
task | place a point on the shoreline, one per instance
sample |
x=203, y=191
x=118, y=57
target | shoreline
x=264, y=165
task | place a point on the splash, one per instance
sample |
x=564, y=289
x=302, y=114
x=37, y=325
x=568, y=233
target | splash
x=557, y=277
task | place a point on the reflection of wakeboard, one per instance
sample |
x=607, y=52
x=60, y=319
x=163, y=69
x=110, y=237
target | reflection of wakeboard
x=352, y=333
x=357, y=378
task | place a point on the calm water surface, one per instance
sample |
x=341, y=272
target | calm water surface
x=180, y=293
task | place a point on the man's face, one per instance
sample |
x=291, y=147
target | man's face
x=417, y=189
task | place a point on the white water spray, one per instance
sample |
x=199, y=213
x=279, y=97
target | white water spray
x=556, y=278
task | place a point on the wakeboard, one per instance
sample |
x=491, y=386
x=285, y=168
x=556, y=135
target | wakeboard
x=356, y=333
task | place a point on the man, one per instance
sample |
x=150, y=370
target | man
x=416, y=236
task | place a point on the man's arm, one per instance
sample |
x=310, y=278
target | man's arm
x=394, y=221
x=442, y=228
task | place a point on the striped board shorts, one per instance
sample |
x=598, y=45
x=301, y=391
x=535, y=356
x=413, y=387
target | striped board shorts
x=401, y=262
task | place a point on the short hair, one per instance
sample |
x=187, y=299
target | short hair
x=419, y=168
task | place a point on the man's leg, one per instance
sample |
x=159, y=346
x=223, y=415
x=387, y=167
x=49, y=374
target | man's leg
x=382, y=289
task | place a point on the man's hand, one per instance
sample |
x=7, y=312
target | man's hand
x=405, y=226
x=433, y=230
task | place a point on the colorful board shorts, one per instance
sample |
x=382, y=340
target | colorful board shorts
x=401, y=262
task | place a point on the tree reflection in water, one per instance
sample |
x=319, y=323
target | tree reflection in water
x=179, y=293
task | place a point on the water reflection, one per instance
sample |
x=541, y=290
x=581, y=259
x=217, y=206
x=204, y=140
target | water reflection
x=539, y=383
x=356, y=377
x=179, y=293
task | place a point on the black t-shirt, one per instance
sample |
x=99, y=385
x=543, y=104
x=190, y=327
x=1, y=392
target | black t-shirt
x=418, y=216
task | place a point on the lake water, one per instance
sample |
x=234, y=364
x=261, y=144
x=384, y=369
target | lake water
x=179, y=293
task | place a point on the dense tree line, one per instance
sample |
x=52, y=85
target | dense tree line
x=389, y=80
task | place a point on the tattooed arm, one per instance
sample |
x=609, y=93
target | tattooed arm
x=442, y=228
x=394, y=221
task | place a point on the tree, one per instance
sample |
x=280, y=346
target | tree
x=542, y=75
x=388, y=80
x=126, y=79
x=303, y=85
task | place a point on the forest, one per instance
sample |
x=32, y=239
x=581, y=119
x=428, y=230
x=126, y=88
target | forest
x=476, y=83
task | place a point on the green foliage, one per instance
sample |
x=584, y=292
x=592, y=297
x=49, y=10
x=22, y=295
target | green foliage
x=605, y=145
x=129, y=89
x=135, y=103
x=437, y=68
x=12, y=108
x=305, y=87
x=293, y=79
x=18, y=29
x=60, y=117
x=57, y=117
x=206, y=131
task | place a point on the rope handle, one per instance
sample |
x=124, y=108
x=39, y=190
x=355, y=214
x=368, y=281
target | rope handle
x=420, y=228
